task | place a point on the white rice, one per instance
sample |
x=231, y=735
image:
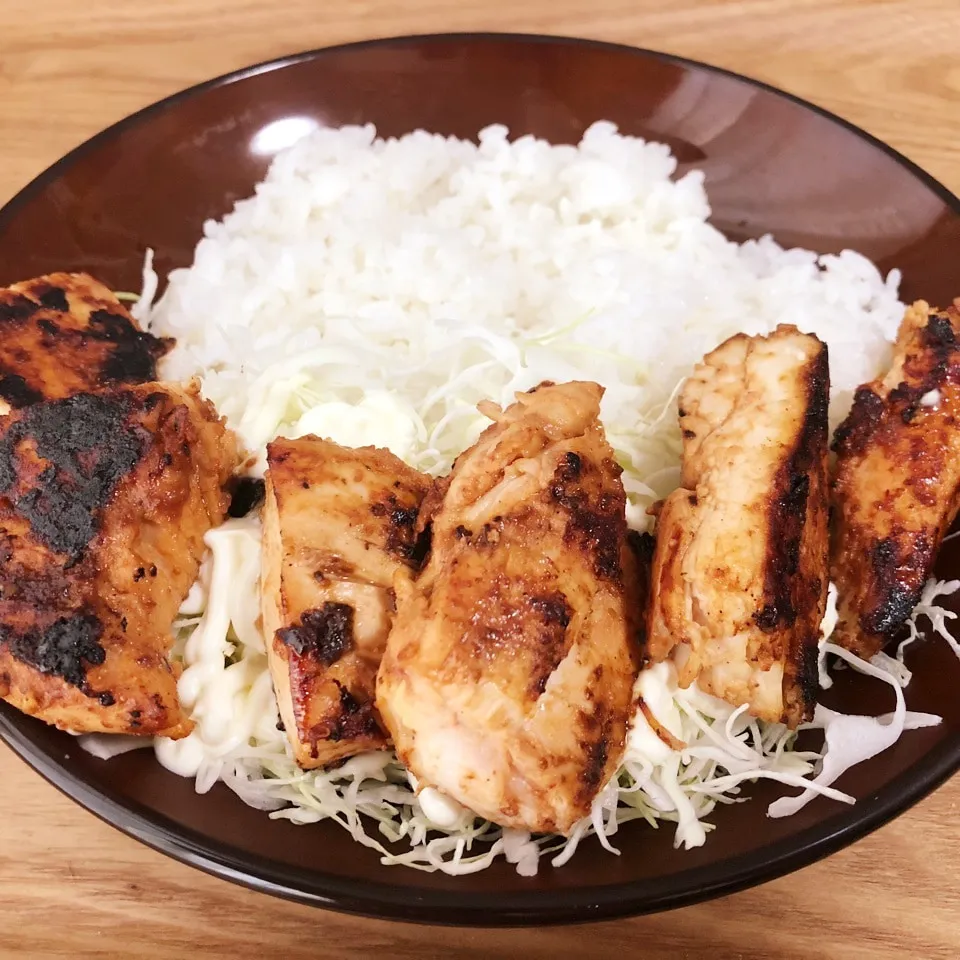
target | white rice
x=381, y=268
x=373, y=291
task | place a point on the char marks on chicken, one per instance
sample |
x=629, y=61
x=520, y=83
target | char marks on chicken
x=507, y=680
x=739, y=579
x=896, y=490
x=339, y=524
x=105, y=499
x=67, y=333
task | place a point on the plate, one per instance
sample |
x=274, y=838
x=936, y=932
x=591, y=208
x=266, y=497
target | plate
x=773, y=165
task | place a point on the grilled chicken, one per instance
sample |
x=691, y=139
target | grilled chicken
x=507, y=678
x=739, y=572
x=897, y=485
x=338, y=525
x=66, y=333
x=104, y=502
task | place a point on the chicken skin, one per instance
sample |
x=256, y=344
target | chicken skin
x=66, y=333
x=338, y=526
x=897, y=485
x=739, y=581
x=105, y=499
x=507, y=679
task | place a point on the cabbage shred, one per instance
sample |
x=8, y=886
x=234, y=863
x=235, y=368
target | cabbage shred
x=237, y=740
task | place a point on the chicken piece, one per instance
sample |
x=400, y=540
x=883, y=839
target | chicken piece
x=508, y=676
x=104, y=502
x=896, y=490
x=338, y=525
x=67, y=333
x=739, y=573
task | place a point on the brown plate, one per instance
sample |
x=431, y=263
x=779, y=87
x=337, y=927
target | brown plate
x=774, y=165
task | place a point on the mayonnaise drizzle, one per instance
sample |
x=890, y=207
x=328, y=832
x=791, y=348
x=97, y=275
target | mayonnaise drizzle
x=231, y=703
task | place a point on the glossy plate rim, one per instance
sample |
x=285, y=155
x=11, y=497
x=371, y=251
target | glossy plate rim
x=406, y=902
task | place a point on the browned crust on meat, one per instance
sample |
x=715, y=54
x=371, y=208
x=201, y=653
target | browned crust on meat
x=392, y=521
x=327, y=710
x=323, y=635
x=637, y=572
x=60, y=463
x=775, y=606
x=897, y=485
x=797, y=550
x=525, y=617
x=370, y=503
x=66, y=333
x=402, y=526
x=526, y=621
x=594, y=501
x=104, y=502
x=522, y=618
x=603, y=735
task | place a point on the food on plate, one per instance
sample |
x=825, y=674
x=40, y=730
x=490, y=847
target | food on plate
x=896, y=491
x=338, y=526
x=376, y=293
x=739, y=583
x=67, y=333
x=507, y=679
x=105, y=499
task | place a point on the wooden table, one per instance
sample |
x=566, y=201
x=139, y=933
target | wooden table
x=71, y=886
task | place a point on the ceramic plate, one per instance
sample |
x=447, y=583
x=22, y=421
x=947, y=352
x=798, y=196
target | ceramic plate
x=773, y=165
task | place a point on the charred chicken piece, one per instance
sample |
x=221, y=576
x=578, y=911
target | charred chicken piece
x=897, y=485
x=507, y=680
x=338, y=526
x=66, y=333
x=104, y=502
x=739, y=579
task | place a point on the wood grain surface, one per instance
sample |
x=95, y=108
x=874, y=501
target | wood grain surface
x=73, y=887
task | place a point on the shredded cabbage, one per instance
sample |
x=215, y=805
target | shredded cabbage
x=226, y=686
x=852, y=739
x=934, y=613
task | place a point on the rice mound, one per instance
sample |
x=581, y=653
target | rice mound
x=380, y=270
